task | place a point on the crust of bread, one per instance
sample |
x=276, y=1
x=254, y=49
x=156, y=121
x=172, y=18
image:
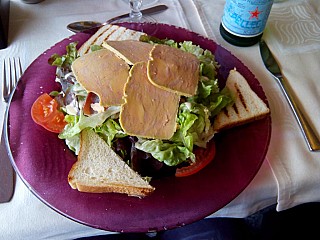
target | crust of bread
x=113, y=188
x=100, y=170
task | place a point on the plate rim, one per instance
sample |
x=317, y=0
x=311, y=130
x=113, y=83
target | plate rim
x=269, y=120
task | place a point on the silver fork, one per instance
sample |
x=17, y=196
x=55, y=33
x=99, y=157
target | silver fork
x=12, y=71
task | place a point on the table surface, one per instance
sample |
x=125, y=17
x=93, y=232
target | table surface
x=287, y=177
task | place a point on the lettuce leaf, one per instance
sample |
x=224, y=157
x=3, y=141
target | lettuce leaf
x=74, y=143
x=171, y=154
x=110, y=130
x=76, y=124
x=208, y=64
x=210, y=96
x=65, y=61
x=193, y=121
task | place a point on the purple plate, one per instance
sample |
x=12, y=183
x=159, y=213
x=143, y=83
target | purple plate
x=43, y=161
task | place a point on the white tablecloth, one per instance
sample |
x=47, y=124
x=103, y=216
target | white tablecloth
x=293, y=34
x=290, y=174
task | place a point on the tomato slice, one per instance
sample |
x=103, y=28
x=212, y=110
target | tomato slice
x=203, y=157
x=56, y=124
x=45, y=112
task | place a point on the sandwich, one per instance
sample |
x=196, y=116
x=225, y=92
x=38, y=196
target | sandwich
x=136, y=109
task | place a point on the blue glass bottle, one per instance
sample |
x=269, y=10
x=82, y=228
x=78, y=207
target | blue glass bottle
x=243, y=21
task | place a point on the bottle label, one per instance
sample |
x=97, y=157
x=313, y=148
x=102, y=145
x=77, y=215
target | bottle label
x=246, y=18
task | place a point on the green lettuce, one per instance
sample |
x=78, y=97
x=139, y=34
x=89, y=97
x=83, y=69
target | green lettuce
x=171, y=154
x=194, y=124
x=76, y=124
x=208, y=64
x=210, y=96
x=155, y=40
x=194, y=128
x=65, y=61
x=74, y=143
x=110, y=130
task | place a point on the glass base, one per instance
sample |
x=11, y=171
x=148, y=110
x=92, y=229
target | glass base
x=138, y=23
x=145, y=2
x=143, y=19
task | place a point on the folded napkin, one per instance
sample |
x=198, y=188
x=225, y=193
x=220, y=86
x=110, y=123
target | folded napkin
x=293, y=35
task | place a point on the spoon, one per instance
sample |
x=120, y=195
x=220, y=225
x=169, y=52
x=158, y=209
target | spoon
x=84, y=26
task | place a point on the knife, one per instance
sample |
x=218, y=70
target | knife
x=147, y=11
x=271, y=64
x=91, y=26
x=6, y=171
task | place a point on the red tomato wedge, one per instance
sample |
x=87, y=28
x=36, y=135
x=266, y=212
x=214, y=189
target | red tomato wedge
x=45, y=112
x=203, y=157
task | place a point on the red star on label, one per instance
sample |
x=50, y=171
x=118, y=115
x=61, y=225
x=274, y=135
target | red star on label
x=255, y=13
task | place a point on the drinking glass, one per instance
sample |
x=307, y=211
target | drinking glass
x=135, y=15
x=146, y=3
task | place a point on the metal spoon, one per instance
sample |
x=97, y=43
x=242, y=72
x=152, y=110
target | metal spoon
x=84, y=26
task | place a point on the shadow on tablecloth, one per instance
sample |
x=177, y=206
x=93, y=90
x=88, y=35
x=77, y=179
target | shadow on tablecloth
x=300, y=222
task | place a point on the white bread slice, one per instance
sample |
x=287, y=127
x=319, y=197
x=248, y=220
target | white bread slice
x=248, y=106
x=109, y=32
x=99, y=170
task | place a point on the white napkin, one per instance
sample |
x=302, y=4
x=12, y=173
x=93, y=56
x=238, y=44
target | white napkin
x=293, y=35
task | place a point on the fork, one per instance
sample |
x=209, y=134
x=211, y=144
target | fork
x=10, y=78
x=12, y=71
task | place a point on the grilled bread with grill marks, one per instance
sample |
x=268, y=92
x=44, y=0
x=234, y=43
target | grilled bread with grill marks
x=109, y=33
x=248, y=106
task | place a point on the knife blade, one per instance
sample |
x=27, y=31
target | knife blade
x=91, y=27
x=273, y=67
x=6, y=171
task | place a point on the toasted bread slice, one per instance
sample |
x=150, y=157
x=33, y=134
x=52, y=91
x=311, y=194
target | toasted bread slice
x=109, y=32
x=246, y=108
x=100, y=170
